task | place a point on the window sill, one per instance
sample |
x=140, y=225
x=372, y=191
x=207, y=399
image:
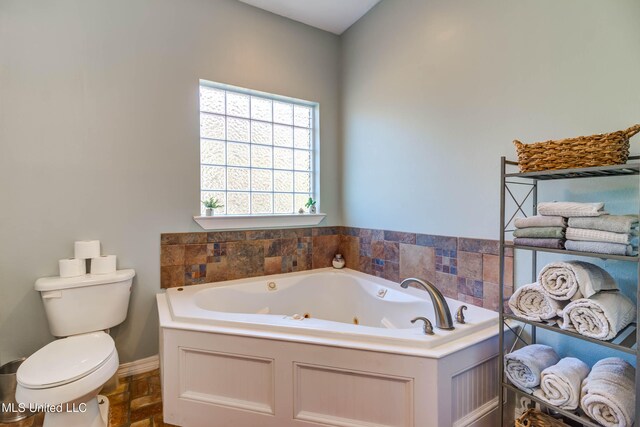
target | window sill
x=230, y=222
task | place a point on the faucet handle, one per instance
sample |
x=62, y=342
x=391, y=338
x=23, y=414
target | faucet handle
x=428, y=327
x=460, y=314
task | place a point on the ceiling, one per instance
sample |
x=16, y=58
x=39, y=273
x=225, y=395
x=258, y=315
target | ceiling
x=334, y=16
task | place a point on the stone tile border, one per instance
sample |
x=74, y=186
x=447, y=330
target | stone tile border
x=463, y=268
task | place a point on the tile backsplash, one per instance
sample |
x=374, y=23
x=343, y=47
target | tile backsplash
x=462, y=268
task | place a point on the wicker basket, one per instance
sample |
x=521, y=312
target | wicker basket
x=535, y=418
x=581, y=152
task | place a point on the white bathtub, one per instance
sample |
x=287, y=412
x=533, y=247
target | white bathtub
x=333, y=300
x=285, y=350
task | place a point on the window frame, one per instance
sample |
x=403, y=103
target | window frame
x=226, y=221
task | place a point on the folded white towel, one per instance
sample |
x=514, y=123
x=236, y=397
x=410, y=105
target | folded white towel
x=533, y=303
x=614, y=223
x=587, y=235
x=524, y=366
x=540, y=221
x=574, y=279
x=570, y=209
x=601, y=317
x=600, y=247
x=608, y=393
x=560, y=384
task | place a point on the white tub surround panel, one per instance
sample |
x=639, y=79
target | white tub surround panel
x=236, y=352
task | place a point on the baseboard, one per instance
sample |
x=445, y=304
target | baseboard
x=139, y=366
x=477, y=414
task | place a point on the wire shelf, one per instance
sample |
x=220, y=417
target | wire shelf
x=625, y=341
x=575, y=253
x=578, y=415
x=631, y=168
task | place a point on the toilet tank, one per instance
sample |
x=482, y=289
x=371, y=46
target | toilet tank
x=93, y=302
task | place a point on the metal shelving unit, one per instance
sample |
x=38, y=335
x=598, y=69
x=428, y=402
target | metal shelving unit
x=626, y=341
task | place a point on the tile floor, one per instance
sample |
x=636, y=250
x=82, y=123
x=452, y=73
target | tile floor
x=135, y=402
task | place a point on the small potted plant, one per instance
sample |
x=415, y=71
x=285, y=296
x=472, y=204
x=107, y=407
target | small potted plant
x=210, y=204
x=311, y=205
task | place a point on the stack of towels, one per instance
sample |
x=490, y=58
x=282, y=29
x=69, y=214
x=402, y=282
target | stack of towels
x=590, y=229
x=606, y=234
x=584, y=295
x=606, y=394
x=540, y=231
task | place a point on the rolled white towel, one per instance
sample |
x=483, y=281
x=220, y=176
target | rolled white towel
x=570, y=209
x=601, y=317
x=524, y=366
x=533, y=303
x=608, y=393
x=574, y=279
x=560, y=384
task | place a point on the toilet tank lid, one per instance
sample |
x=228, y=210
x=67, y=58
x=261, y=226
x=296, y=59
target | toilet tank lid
x=57, y=283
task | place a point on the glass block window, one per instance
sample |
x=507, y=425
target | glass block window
x=256, y=150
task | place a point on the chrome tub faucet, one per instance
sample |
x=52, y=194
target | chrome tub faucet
x=440, y=306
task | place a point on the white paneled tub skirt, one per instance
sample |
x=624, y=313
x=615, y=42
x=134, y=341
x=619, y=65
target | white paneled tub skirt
x=322, y=347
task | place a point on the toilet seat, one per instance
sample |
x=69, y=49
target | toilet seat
x=84, y=387
x=66, y=360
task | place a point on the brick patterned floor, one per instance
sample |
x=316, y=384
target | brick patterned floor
x=135, y=402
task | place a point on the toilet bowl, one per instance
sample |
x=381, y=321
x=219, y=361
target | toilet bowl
x=63, y=378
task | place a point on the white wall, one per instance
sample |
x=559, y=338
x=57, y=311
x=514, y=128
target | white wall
x=435, y=91
x=99, y=134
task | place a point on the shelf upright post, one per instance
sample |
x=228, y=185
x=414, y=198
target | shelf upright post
x=534, y=254
x=501, y=389
x=638, y=330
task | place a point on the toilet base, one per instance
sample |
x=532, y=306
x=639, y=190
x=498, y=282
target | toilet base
x=103, y=406
x=94, y=414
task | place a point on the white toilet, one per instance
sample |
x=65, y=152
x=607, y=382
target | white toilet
x=64, y=377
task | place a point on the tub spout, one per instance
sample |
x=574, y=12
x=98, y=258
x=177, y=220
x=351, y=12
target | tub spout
x=440, y=306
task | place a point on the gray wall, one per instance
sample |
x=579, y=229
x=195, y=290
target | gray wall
x=435, y=91
x=99, y=123
x=99, y=134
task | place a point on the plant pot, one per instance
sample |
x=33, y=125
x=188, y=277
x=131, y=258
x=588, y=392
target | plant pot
x=312, y=209
x=209, y=212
